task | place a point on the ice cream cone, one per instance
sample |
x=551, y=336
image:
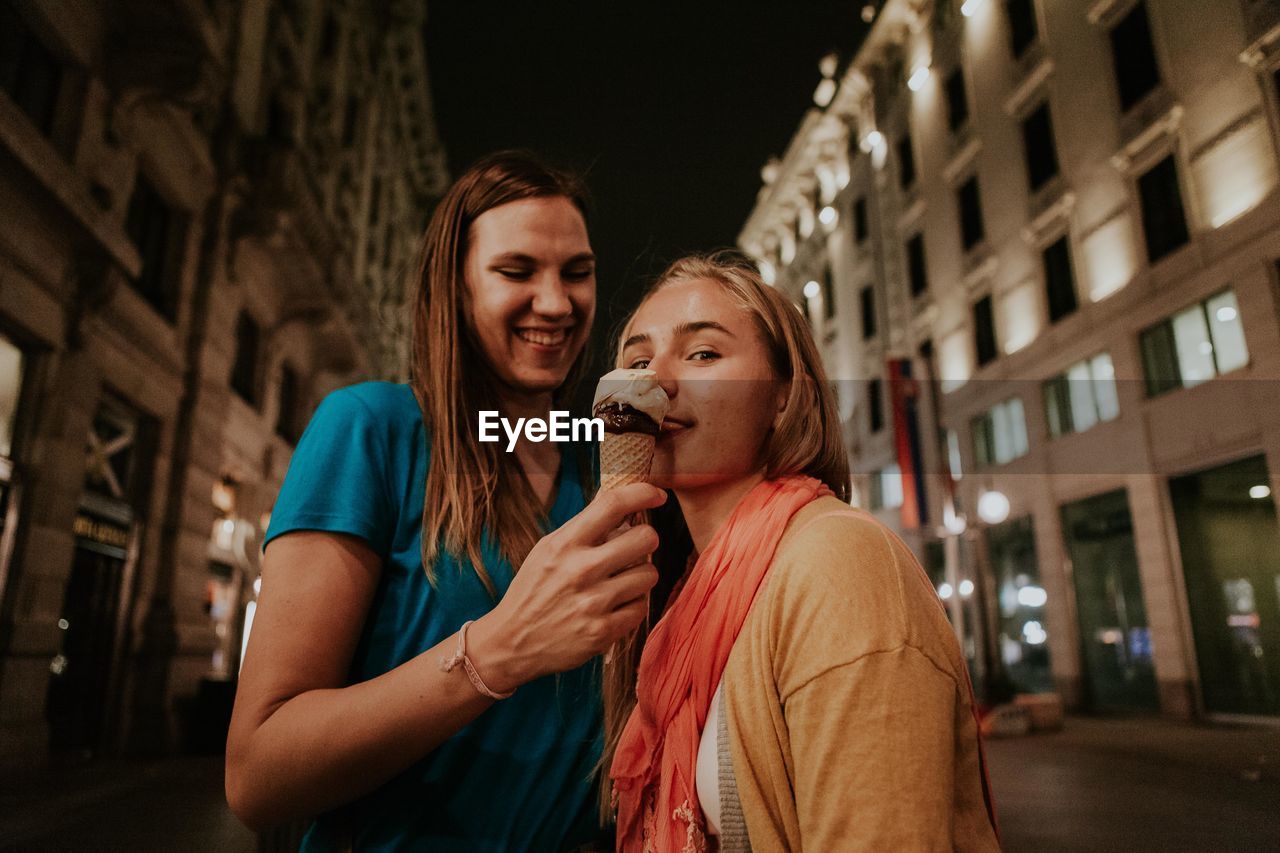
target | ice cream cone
x=625, y=458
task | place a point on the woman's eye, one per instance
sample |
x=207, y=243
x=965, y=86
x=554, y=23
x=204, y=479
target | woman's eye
x=515, y=274
x=705, y=355
x=638, y=364
x=578, y=275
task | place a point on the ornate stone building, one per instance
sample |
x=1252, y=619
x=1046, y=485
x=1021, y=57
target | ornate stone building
x=1039, y=242
x=211, y=210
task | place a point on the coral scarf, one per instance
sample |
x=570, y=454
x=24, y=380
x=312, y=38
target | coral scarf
x=683, y=659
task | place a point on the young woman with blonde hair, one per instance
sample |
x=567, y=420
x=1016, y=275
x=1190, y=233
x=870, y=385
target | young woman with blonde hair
x=364, y=699
x=802, y=689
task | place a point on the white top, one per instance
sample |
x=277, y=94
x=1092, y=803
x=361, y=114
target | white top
x=707, y=768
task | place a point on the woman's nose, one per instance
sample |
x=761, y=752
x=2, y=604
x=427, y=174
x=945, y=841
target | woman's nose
x=664, y=375
x=551, y=299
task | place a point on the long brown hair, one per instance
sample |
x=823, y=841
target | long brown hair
x=473, y=489
x=806, y=440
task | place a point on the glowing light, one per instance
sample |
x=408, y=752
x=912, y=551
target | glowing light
x=812, y=289
x=1226, y=314
x=768, y=273
x=993, y=507
x=868, y=13
x=257, y=585
x=228, y=526
x=872, y=140
x=945, y=592
x=919, y=75
x=827, y=216
x=966, y=588
x=1259, y=492
x=1032, y=596
x=1034, y=633
x=64, y=624
x=970, y=7
x=825, y=92
x=1206, y=348
x=955, y=524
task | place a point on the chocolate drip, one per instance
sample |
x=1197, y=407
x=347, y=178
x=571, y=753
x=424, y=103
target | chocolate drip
x=619, y=418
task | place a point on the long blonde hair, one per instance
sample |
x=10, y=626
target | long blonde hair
x=473, y=489
x=807, y=440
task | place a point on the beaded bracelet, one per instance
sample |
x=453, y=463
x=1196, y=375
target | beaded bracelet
x=460, y=657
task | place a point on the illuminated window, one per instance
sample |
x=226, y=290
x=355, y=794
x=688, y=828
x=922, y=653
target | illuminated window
x=860, y=231
x=1000, y=433
x=1037, y=141
x=244, y=371
x=886, y=488
x=1081, y=397
x=1023, y=29
x=12, y=362
x=1164, y=223
x=1194, y=345
x=158, y=232
x=984, y=331
x=1059, y=280
x=972, y=231
x=867, y=305
x=957, y=100
x=915, y=265
x=1134, y=57
x=28, y=71
x=875, y=405
x=906, y=162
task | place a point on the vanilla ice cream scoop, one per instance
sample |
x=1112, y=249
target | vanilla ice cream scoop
x=630, y=400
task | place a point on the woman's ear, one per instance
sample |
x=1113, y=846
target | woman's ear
x=783, y=392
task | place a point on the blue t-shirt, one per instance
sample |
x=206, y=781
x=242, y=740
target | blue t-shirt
x=519, y=777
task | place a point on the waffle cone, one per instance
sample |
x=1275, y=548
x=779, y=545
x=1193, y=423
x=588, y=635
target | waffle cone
x=625, y=458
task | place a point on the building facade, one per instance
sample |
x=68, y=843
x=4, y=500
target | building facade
x=210, y=214
x=1039, y=243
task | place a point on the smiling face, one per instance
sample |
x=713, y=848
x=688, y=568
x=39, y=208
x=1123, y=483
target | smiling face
x=531, y=287
x=710, y=358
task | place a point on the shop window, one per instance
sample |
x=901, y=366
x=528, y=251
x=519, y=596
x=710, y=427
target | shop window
x=1082, y=396
x=906, y=162
x=1000, y=433
x=1194, y=345
x=1059, y=279
x=972, y=230
x=1023, y=28
x=1164, y=222
x=875, y=405
x=917, y=276
x=867, y=301
x=1037, y=142
x=29, y=72
x=1134, y=57
x=860, y=231
x=957, y=100
x=245, y=369
x=984, y=331
x=156, y=230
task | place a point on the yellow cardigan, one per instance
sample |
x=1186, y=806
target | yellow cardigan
x=847, y=701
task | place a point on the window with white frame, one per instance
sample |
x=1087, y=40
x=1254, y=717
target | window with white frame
x=1081, y=397
x=1194, y=345
x=1000, y=433
x=886, y=488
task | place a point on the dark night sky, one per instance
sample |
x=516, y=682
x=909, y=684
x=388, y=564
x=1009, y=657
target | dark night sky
x=668, y=109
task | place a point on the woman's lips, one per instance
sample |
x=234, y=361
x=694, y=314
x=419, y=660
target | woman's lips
x=671, y=426
x=545, y=339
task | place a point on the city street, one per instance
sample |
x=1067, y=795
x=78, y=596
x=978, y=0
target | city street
x=1098, y=785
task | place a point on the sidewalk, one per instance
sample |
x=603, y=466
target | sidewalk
x=175, y=804
x=1138, y=784
x=1098, y=785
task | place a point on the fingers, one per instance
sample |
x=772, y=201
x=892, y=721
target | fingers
x=625, y=619
x=628, y=585
x=610, y=508
x=631, y=546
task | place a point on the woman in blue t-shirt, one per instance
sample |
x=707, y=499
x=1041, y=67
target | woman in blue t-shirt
x=392, y=624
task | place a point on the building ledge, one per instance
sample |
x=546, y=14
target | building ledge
x=69, y=188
